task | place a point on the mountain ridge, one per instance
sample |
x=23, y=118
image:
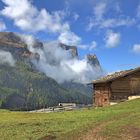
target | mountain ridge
x=23, y=87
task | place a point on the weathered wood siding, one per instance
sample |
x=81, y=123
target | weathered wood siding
x=123, y=87
x=135, y=86
x=118, y=89
x=135, y=83
x=101, y=95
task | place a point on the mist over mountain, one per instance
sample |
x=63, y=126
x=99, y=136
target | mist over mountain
x=35, y=74
x=55, y=56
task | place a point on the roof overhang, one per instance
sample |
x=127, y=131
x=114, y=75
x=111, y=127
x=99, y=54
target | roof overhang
x=101, y=81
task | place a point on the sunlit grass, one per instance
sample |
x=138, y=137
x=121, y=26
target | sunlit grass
x=32, y=126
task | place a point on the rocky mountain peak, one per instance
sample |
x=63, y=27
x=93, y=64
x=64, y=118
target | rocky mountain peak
x=93, y=60
x=14, y=43
x=11, y=42
x=10, y=37
x=73, y=49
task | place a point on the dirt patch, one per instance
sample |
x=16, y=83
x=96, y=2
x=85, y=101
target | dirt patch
x=130, y=132
x=48, y=137
x=127, y=133
x=94, y=133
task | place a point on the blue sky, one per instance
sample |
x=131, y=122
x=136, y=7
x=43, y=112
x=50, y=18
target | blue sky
x=108, y=28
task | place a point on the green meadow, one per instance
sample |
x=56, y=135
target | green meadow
x=114, y=122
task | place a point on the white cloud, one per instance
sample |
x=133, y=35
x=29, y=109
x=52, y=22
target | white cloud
x=112, y=39
x=6, y=58
x=100, y=18
x=54, y=59
x=18, y=9
x=29, y=18
x=136, y=48
x=2, y=26
x=110, y=22
x=98, y=12
x=29, y=39
x=70, y=38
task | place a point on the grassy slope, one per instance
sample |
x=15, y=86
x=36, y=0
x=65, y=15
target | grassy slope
x=25, y=126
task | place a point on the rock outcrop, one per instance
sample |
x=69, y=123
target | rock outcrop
x=73, y=49
x=93, y=60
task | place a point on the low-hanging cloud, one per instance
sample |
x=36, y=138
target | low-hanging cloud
x=6, y=58
x=59, y=64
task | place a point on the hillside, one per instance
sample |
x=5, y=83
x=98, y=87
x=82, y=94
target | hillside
x=24, y=86
x=120, y=121
x=84, y=89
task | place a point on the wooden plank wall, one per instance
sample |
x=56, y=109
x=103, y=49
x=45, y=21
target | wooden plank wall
x=135, y=83
x=120, y=89
x=117, y=90
x=101, y=95
x=125, y=86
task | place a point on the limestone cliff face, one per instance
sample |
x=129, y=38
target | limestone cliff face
x=12, y=39
x=13, y=43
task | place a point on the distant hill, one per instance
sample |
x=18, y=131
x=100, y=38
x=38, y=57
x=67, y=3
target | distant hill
x=23, y=87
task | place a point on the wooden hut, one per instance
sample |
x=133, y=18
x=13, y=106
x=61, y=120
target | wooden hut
x=116, y=87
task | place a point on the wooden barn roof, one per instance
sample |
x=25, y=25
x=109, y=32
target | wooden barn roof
x=115, y=76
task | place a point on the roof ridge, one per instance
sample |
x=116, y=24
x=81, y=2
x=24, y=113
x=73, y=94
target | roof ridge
x=115, y=75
